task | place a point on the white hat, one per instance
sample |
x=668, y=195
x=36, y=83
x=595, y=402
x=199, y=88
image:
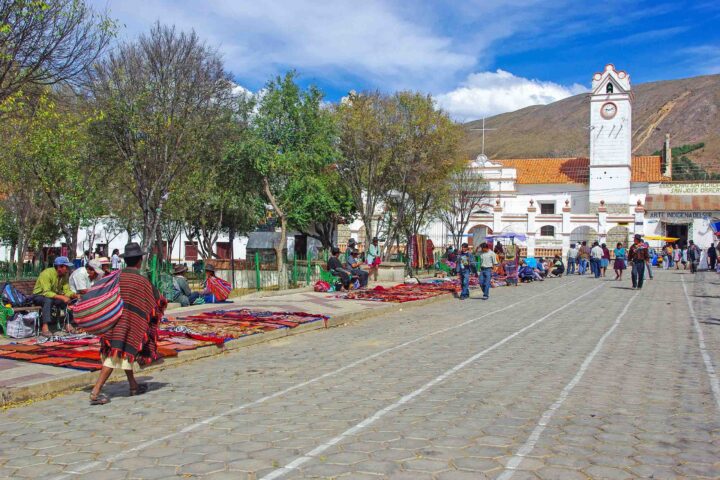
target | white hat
x=95, y=265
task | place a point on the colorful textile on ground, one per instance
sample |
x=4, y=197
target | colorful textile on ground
x=223, y=325
x=82, y=353
x=173, y=336
x=409, y=292
x=127, y=336
x=219, y=287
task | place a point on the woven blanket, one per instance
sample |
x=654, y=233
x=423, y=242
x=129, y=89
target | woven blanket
x=408, y=292
x=224, y=325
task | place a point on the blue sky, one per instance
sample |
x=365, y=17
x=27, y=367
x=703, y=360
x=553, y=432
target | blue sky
x=477, y=57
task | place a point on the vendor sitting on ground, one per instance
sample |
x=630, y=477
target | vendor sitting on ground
x=335, y=266
x=558, y=267
x=354, y=265
x=85, y=277
x=181, y=290
x=215, y=287
x=53, y=290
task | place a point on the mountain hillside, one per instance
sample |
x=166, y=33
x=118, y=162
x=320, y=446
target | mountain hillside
x=687, y=109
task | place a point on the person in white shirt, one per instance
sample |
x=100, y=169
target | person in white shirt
x=596, y=255
x=84, y=277
x=572, y=257
x=116, y=260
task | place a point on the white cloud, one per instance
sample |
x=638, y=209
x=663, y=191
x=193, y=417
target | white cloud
x=367, y=40
x=490, y=93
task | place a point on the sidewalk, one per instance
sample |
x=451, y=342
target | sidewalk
x=21, y=381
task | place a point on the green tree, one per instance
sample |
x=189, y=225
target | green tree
x=424, y=153
x=323, y=202
x=289, y=138
x=46, y=42
x=164, y=97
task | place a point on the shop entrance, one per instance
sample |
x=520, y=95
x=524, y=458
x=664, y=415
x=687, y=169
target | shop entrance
x=679, y=231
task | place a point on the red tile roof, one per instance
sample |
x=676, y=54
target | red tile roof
x=532, y=171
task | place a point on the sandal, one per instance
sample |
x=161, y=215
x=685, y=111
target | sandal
x=99, y=399
x=141, y=388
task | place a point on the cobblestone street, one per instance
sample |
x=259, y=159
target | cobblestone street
x=567, y=379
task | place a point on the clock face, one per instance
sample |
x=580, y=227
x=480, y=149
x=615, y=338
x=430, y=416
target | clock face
x=608, y=110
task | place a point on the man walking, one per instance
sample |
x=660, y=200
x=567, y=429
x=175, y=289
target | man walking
x=596, y=255
x=572, y=257
x=465, y=266
x=488, y=259
x=638, y=255
x=584, y=254
x=712, y=257
x=128, y=340
x=693, y=256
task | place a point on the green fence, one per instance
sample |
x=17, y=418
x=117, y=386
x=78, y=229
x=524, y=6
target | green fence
x=28, y=271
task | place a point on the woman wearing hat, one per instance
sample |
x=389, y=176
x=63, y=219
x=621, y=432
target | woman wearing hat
x=182, y=293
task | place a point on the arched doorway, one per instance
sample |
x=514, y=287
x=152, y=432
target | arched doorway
x=477, y=234
x=617, y=234
x=583, y=234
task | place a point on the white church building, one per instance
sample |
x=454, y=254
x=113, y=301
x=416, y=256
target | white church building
x=608, y=197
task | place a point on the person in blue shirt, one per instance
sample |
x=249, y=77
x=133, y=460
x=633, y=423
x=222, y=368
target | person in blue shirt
x=465, y=266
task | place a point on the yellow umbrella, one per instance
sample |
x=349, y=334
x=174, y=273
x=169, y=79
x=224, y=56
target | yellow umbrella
x=661, y=238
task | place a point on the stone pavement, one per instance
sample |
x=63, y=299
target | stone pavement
x=22, y=380
x=569, y=378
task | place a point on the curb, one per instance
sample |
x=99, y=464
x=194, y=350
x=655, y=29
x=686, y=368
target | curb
x=11, y=396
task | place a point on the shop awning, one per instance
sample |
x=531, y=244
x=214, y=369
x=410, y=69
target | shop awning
x=682, y=203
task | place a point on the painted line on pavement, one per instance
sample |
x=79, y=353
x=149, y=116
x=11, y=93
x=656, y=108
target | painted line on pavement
x=245, y=406
x=317, y=451
x=709, y=367
x=532, y=440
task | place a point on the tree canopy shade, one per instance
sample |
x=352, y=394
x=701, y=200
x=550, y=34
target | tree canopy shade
x=165, y=98
x=46, y=42
x=291, y=139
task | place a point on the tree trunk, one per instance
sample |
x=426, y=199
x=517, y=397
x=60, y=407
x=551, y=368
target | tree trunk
x=20, y=255
x=73, y=242
x=280, y=253
x=159, y=243
x=13, y=250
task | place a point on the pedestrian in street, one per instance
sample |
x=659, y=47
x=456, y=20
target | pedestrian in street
x=648, y=263
x=638, y=255
x=465, y=266
x=572, y=257
x=596, y=255
x=693, y=256
x=677, y=253
x=584, y=258
x=684, y=258
x=712, y=256
x=130, y=339
x=619, y=264
x=488, y=260
x=605, y=260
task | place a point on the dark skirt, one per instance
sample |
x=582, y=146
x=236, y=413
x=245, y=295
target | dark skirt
x=619, y=264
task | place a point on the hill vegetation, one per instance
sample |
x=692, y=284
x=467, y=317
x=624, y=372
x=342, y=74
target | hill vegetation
x=687, y=109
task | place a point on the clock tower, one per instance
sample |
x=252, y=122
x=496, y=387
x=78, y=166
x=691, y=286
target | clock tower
x=611, y=140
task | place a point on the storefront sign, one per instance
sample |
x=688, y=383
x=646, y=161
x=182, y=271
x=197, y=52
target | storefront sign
x=679, y=215
x=686, y=188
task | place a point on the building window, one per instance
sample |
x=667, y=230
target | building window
x=609, y=88
x=191, y=251
x=223, y=250
x=547, y=231
x=547, y=208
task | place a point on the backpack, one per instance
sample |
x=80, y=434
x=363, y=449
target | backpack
x=101, y=307
x=13, y=296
